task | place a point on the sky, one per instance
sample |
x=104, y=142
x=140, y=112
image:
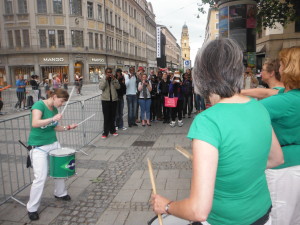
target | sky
x=174, y=13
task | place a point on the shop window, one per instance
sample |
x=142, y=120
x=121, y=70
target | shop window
x=99, y=12
x=26, y=42
x=90, y=9
x=10, y=39
x=41, y=6
x=51, y=36
x=96, y=41
x=18, y=38
x=75, y=7
x=61, y=38
x=91, y=44
x=57, y=7
x=22, y=6
x=8, y=6
x=77, y=38
x=43, y=40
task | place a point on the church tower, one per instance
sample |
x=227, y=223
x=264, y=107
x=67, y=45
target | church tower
x=185, y=43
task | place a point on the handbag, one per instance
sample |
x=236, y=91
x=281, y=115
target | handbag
x=171, y=102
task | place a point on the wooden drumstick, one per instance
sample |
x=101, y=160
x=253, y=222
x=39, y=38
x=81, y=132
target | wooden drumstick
x=153, y=186
x=68, y=101
x=184, y=152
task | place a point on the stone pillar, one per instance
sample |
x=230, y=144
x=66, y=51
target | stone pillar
x=237, y=20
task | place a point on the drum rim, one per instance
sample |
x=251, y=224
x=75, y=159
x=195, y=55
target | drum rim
x=73, y=153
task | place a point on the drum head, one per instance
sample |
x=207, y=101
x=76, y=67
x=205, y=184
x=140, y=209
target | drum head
x=169, y=220
x=62, y=152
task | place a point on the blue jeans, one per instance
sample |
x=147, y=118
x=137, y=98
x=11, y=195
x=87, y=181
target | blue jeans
x=199, y=103
x=145, y=105
x=119, y=114
x=131, y=107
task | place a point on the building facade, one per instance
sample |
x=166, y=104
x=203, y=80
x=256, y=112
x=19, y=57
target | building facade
x=171, y=50
x=212, y=25
x=185, y=43
x=47, y=37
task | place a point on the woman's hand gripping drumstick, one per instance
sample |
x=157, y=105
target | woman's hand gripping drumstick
x=153, y=186
x=184, y=152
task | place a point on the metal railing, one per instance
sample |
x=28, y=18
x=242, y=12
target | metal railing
x=14, y=176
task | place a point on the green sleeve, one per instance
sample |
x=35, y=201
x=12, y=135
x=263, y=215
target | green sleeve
x=275, y=106
x=205, y=129
x=38, y=105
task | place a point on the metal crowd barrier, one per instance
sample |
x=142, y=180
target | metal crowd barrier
x=14, y=176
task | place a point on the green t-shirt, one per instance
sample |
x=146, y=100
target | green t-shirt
x=278, y=88
x=43, y=135
x=284, y=109
x=242, y=134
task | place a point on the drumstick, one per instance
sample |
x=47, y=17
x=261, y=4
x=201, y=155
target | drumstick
x=86, y=119
x=153, y=186
x=184, y=152
x=68, y=100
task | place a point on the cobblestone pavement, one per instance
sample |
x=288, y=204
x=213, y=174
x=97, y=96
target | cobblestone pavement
x=112, y=185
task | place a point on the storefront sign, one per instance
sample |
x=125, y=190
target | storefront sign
x=100, y=60
x=53, y=59
x=158, y=40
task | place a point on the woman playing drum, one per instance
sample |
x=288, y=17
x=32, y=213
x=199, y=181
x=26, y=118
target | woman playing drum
x=233, y=143
x=42, y=139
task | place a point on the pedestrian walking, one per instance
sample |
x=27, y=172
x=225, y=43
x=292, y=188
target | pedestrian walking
x=56, y=82
x=131, y=96
x=42, y=139
x=21, y=92
x=175, y=90
x=65, y=81
x=229, y=185
x=109, y=98
x=145, y=88
x=34, y=82
x=284, y=108
x=78, y=82
x=120, y=103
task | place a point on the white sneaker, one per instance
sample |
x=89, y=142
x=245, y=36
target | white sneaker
x=180, y=123
x=117, y=128
x=124, y=128
x=172, y=124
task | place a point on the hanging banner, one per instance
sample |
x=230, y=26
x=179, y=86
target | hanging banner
x=158, y=42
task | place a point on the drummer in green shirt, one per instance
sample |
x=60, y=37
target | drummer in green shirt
x=284, y=110
x=42, y=139
x=232, y=142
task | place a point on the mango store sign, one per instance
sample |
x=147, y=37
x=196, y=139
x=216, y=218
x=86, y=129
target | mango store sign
x=99, y=60
x=53, y=59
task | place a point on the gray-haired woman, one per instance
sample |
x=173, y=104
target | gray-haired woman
x=233, y=143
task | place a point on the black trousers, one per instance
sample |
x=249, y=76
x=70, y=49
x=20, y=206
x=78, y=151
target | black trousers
x=177, y=111
x=109, y=109
x=187, y=104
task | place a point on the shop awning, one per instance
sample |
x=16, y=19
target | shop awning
x=260, y=49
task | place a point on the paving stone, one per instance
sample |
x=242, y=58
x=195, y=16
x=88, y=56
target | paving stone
x=141, y=196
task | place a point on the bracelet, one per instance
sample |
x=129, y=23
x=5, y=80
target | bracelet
x=168, y=207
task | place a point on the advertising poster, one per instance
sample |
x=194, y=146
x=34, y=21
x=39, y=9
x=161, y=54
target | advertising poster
x=237, y=16
x=223, y=22
x=251, y=16
x=240, y=36
x=251, y=59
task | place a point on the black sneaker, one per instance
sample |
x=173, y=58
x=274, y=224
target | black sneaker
x=135, y=125
x=64, y=198
x=33, y=215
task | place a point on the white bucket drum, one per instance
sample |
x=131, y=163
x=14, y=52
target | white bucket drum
x=62, y=163
x=169, y=220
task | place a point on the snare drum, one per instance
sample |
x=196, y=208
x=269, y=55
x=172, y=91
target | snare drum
x=169, y=220
x=62, y=163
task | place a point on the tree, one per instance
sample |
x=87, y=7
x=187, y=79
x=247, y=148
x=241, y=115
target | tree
x=268, y=11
